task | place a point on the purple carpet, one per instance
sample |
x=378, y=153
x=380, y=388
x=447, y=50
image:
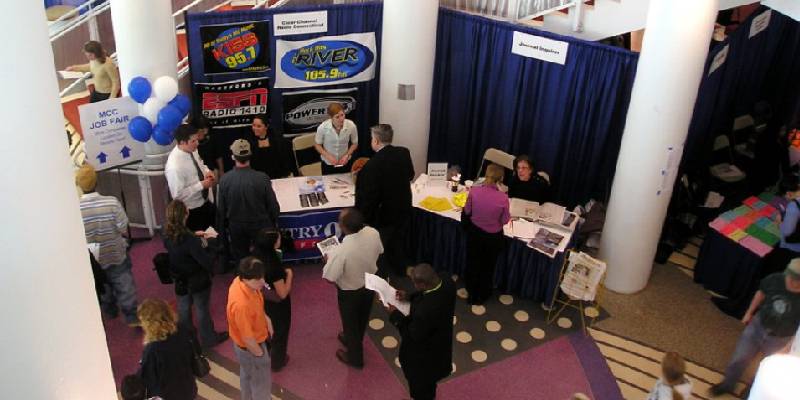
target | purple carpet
x=552, y=370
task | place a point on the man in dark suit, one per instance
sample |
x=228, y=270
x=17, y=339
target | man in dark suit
x=426, y=348
x=383, y=195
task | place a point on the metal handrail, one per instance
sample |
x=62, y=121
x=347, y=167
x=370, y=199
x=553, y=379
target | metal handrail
x=83, y=18
x=72, y=12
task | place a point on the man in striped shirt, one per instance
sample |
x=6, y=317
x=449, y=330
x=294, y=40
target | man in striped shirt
x=104, y=222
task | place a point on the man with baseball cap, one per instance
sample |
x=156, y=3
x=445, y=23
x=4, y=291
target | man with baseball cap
x=772, y=319
x=246, y=202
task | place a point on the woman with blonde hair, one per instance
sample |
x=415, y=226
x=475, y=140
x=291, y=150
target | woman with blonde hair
x=166, y=366
x=104, y=72
x=488, y=210
x=190, y=265
x=673, y=384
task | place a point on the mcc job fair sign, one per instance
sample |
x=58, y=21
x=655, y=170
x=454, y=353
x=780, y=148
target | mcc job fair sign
x=105, y=133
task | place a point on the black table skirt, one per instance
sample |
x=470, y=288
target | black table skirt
x=520, y=270
x=726, y=268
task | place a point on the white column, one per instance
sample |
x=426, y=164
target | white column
x=145, y=35
x=408, y=49
x=52, y=342
x=667, y=77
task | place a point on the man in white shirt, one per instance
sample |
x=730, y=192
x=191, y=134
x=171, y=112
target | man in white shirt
x=346, y=266
x=189, y=179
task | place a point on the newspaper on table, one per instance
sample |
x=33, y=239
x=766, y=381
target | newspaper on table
x=522, y=228
x=328, y=245
x=386, y=292
x=549, y=240
x=547, y=212
x=582, y=277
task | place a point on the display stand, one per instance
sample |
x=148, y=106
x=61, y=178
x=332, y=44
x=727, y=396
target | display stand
x=589, y=273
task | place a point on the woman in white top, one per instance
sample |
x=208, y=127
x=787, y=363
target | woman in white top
x=336, y=141
x=673, y=384
x=104, y=72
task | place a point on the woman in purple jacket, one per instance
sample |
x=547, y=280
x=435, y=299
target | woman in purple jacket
x=488, y=210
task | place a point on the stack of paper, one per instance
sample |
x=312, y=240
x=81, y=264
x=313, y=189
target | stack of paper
x=386, y=293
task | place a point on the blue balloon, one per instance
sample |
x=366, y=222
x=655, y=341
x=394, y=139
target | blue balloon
x=162, y=136
x=139, y=88
x=169, y=117
x=182, y=103
x=140, y=129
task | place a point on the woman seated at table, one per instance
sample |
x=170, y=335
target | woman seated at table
x=789, y=246
x=488, y=210
x=336, y=141
x=526, y=184
x=272, y=155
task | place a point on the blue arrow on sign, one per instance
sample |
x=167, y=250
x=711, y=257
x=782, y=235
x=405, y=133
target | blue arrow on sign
x=126, y=152
x=102, y=157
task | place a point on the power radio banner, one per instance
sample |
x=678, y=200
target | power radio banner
x=303, y=111
x=232, y=104
x=327, y=60
x=238, y=47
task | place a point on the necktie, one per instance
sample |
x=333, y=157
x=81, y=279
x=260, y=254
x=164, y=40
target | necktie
x=200, y=175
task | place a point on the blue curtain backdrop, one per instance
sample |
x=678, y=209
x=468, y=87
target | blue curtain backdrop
x=568, y=118
x=764, y=67
x=342, y=19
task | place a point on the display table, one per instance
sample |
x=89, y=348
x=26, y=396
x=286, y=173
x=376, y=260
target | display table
x=728, y=269
x=309, y=225
x=437, y=238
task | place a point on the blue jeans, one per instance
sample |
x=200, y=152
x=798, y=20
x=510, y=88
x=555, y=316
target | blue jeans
x=120, y=291
x=200, y=300
x=754, y=339
x=255, y=379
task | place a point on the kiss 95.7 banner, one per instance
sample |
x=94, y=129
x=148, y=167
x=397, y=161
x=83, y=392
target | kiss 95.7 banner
x=327, y=60
x=235, y=47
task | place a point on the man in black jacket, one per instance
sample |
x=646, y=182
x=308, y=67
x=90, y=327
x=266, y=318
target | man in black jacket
x=383, y=195
x=426, y=349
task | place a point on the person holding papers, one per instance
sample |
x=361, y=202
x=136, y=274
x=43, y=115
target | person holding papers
x=345, y=266
x=526, y=184
x=104, y=72
x=488, y=210
x=426, y=347
x=336, y=141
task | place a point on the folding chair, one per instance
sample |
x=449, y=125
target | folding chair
x=301, y=144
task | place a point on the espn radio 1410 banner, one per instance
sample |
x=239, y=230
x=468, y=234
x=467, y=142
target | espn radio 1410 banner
x=233, y=104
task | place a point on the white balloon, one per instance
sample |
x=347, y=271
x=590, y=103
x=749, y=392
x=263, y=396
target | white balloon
x=165, y=88
x=151, y=108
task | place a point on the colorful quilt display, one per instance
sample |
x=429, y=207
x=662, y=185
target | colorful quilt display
x=753, y=224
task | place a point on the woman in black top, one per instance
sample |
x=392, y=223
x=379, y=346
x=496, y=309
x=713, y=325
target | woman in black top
x=272, y=155
x=190, y=265
x=277, y=304
x=526, y=184
x=166, y=365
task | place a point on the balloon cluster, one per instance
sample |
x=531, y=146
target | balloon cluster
x=163, y=109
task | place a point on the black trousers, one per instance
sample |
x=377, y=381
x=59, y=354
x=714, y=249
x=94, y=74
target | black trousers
x=393, y=261
x=242, y=236
x=354, y=309
x=330, y=169
x=96, y=96
x=281, y=315
x=202, y=217
x=482, y=251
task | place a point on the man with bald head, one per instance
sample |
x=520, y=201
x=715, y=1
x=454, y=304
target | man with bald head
x=426, y=349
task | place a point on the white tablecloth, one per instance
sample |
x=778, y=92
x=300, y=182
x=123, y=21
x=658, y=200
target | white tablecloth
x=288, y=193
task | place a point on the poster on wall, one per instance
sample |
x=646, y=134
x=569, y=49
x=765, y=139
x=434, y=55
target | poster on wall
x=235, y=48
x=303, y=111
x=232, y=104
x=105, y=133
x=326, y=60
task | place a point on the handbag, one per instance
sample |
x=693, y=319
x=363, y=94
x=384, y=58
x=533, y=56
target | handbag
x=161, y=266
x=200, y=365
